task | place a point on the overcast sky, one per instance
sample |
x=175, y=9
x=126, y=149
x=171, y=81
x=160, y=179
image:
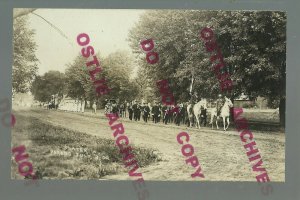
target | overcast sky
x=107, y=29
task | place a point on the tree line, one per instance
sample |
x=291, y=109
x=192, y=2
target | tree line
x=253, y=45
x=75, y=82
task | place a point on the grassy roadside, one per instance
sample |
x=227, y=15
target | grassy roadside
x=59, y=153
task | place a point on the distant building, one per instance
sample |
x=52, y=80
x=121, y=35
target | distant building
x=23, y=99
x=69, y=104
x=262, y=103
x=245, y=102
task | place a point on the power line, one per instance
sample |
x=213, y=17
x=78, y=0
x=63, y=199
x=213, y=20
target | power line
x=53, y=26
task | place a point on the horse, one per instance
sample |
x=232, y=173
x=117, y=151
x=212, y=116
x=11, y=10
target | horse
x=196, y=111
x=225, y=113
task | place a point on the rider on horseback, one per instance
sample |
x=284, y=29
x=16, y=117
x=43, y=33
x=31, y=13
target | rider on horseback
x=219, y=103
x=193, y=100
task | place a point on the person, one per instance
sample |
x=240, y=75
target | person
x=107, y=107
x=125, y=108
x=130, y=110
x=203, y=116
x=193, y=101
x=219, y=104
x=160, y=111
x=52, y=102
x=194, y=98
x=115, y=109
x=136, y=111
x=150, y=108
x=146, y=111
x=169, y=113
x=184, y=113
x=164, y=110
x=94, y=107
x=139, y=110
x=122, y=109
x=155, y=112
x=142, y=105
x=82, y=105
x=134, y=108
x=178, y=114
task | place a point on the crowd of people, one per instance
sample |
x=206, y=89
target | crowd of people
x=143, y=111
x=157, y=112
x=137, y=111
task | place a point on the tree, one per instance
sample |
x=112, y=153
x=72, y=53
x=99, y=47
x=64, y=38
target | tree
x=252, y=43
x=44, y=86
x=145, y=86
x=78, y=83
x=117, y=68
x=18, y=12
x=181, y=55
x=255, y=45
x=24, y=59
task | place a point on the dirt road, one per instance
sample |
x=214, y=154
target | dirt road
x=221, y=155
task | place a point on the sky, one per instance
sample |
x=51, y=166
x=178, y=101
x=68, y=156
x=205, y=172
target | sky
x=106, y=28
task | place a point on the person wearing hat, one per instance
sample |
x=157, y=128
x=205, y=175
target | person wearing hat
x=168, y=114
x=164, y=113
x=115, y=108
x=178, y=114
x=155, y=112
x=139, y=110
x=219, y=104
x=130, y=110
x=203, y=116
x=193, y=100
x=134, y=108
x=142, y=105
x=146, y=111
x=160, y=111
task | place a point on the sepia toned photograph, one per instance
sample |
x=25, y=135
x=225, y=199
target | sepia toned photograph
x=158, y=95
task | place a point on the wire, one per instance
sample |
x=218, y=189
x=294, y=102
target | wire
x=53, y=26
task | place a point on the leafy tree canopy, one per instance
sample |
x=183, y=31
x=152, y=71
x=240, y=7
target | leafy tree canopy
x=117, y=68
x=50, y=84
x=252, y=43
x=24, y=60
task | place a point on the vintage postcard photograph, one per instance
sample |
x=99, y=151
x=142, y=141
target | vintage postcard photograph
x=158, y=95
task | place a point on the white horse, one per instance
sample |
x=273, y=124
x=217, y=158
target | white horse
x=225, y=113
x=197, y=111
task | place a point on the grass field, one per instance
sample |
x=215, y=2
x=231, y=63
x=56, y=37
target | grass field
x=57, y=152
